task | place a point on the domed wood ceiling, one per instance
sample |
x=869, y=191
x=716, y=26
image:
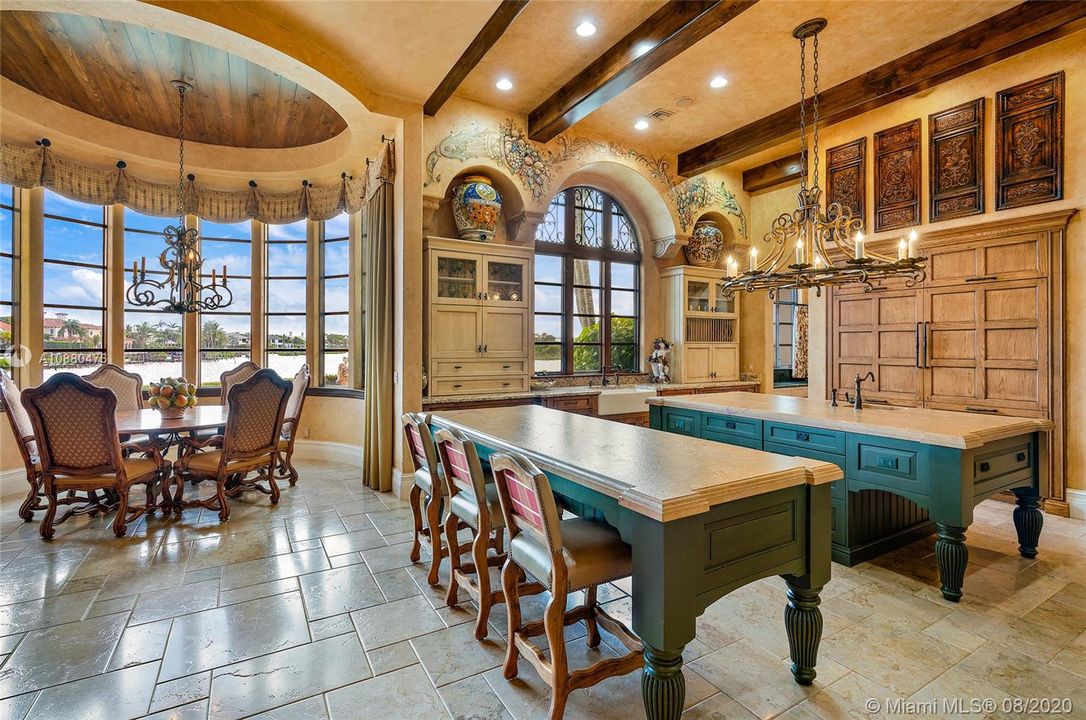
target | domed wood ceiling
x=121, y=73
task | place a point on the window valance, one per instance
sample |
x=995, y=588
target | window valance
x=29, y=167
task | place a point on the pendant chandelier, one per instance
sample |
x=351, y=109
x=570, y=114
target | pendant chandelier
x=805, y=243
x=181, y=259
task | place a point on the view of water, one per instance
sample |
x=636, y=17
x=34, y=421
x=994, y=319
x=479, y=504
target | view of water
x=210, y=370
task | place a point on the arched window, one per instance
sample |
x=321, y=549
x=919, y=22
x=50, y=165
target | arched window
x=587, y=285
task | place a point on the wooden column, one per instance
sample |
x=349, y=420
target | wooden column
x=314, y=302
x=116, y=280
x=356, y=317
x=31, y=273
x=257, y=305
x=190, y=330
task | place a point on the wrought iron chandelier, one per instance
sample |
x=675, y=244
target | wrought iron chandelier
x=181, y=257
x=805, y=242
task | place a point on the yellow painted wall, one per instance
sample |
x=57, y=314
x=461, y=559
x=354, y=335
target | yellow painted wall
x=1065, y=54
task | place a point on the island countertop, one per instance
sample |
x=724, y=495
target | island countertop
x=945, y=428
x=659, y=475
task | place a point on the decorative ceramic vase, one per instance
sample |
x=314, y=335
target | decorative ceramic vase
x=476, y=206
x=706, y=244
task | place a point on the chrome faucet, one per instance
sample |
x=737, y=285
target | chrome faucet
x=858, y=401
x=603, y=374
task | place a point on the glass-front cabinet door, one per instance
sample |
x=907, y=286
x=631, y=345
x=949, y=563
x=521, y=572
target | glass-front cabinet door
x=697, y=296
x=504, y=281
x=456, y=277
x=722, y=303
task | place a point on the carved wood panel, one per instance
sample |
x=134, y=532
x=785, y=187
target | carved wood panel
x=956, y=161
x=1029, y=142
x=846, y=176
x=897, y=176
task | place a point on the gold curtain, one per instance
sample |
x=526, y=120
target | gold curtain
x=380, y=432
x=799, y=343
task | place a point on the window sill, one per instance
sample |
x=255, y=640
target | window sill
x=336, y=392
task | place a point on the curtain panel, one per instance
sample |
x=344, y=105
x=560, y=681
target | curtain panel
x=40, y=166
x=380, y=429
x=799, y=342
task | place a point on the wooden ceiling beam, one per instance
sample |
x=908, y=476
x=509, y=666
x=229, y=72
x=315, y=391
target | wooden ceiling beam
x=775, y=172
x=1001, y=36
x=494, y=28
x=666, y=33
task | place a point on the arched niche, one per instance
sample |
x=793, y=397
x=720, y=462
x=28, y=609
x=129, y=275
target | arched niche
x=636, y=193
x=733, y=244
x=442, y=224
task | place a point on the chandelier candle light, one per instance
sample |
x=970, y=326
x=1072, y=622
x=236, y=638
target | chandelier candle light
x=181, y=258
x=804, y=242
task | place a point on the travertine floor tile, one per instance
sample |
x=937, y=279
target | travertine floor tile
x=404, y=694
x=333, y=592
x=120, y=695
x=61, y=654
x=399, y=620
x=158, y=604
x=182, y=691
x=454, y=654
x=141, y=644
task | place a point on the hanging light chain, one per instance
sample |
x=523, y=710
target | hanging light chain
x=814, y=104
x=181, y=154
x=803, y=112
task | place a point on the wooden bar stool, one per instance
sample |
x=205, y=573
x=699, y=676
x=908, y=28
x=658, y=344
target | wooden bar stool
x=424, y=455
x=566, y=556
x=475, y=503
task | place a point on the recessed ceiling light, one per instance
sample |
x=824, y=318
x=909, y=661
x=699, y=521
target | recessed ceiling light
x=641, y=124
x=718, y=82
x=684, y=101
x=504, y=84
x=586, y=29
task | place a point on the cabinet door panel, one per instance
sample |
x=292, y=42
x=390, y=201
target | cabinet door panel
x=697, y=362
x=455, y=331
x=1016, y=259
x=948, y=267
x=877, y=333
x=505, y=281
x=505, y=333
x=725, y=362
x=455, y=277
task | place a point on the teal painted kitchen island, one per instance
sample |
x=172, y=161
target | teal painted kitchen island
x=907, y=471
x=702, y=520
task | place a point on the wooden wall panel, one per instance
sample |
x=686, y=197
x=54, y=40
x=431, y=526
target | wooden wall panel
x=956, y=161
x=846, y=176
x=897, y=176
x=1029, y=142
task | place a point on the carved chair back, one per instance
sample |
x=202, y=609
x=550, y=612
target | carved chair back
x=75, y=426
x=235, y=375
x=524, y=493
x=293, y=413
x=463, y=473
x=127, y=386
x=255, y=410
x=420, y=442
x=21, y=427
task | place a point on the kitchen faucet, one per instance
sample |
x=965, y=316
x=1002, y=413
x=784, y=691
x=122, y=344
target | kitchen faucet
x=603, y=374
x=858, y=402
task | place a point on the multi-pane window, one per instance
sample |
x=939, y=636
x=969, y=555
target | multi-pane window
x=285, y=298
x=226, y=334
x=73, y=285
x=587, y=285
x=784, y=313
x=153, y=338
x=9, y=215
x=335, y=301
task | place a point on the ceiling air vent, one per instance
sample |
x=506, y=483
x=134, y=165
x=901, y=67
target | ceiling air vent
x=659, y=114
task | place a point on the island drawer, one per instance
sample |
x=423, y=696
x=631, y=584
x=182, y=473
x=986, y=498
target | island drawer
x=838, y=488
x=1009, y=461
x=738, y=427
x=807, y=438
x=683, y=422
x=885, y=463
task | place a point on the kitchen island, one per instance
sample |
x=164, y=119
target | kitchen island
x=905, y=468
x=702, y=520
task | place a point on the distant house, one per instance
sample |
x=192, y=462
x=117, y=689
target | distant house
x=54, y=328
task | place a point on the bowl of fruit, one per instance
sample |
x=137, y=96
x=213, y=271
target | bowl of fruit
x=172, y=396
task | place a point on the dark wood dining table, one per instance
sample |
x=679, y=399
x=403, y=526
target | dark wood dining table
x=170, y=433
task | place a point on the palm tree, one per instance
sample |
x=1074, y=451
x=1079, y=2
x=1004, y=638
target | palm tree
x=72, y=328
x=141, y=334
x=214, y=336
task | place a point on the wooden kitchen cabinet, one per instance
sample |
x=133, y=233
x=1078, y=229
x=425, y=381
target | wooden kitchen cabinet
x=702, y=322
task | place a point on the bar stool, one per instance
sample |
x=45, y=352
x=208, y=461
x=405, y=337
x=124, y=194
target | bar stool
x=475, y=503
x=566, y=556
x=424, y=454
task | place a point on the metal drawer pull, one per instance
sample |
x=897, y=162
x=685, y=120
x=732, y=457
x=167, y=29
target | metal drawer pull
x=1020, y=457
x=458, y=385
x=484, y=349
x=729, y=425
x=458, y=367
x=985, y=467
x=803, y=437
x=981, y=278
x=506, y=384
x=990, y=411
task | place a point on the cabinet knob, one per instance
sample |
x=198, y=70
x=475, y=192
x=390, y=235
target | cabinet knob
x=1020, y=457
x=803, y=437
x=985, y=467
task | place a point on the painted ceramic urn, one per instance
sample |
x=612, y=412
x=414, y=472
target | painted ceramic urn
x=706, y=244
x=476, y=206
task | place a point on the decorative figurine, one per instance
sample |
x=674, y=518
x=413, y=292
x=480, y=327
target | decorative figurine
x=660, y=361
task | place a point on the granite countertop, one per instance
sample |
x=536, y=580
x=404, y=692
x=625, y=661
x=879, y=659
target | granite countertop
x=707, y=383
x=945, y=428
x=528, y=394
x=659, y=475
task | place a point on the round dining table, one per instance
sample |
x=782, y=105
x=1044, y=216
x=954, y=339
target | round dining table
x=169, y=433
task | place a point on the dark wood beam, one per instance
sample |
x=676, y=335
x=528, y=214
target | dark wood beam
x=495, y=27
x=1001, y=36
x=667, y=32
x=775, y=172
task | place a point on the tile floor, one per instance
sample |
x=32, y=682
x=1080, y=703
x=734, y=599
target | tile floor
x=313, y=610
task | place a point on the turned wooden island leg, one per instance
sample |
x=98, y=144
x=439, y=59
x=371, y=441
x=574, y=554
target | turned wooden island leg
x=803, y=623
x=663, y=687
x=952, y=556
x=1028, y=521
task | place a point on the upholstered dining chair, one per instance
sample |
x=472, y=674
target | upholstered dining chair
x=129, y=390
x=289, y=432
x=11, y=398
x=250, y=442
x=233, y=376
x=428, y=484
x=475, y=503
x=76, y=431
x=565, y=556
